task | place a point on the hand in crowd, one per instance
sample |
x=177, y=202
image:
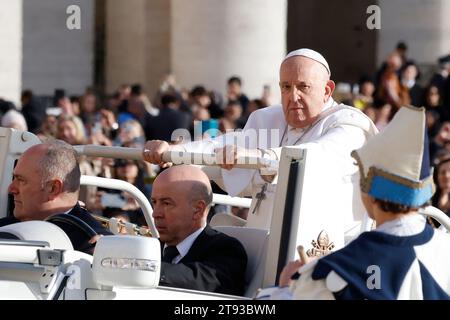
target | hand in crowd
x=99, y=138
x=131, y=203
x=66, y=107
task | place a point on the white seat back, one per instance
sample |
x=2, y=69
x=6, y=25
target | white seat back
x=226, y=219
x=40, y=231
x=255, y=244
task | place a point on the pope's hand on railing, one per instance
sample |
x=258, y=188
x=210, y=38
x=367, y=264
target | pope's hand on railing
x=153, y=152
x=228, y=155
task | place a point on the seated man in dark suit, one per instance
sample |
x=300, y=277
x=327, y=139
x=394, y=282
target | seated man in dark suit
x=195, y=256
x=45, y=186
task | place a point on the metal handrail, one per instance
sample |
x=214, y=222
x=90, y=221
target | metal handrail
x=176, y=157
x=231, y=201
x=121, y=185
x=210, y=159
x=438, y=215
x=92, y=150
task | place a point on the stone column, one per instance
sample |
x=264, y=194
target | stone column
x=423, y=25
x=137, y=42
x=53, y=55
x=10, y=49
x=215, y=39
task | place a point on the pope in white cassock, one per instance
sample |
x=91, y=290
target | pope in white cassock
x=404, y=257
x=308, y=118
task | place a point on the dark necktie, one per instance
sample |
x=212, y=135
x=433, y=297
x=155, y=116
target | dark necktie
x=170, y=252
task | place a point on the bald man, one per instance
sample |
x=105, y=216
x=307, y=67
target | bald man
x=195, y=256
x=46, y=182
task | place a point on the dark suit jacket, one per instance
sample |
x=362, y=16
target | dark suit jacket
x=416, y=95
x=78, y=238
x=215, y=263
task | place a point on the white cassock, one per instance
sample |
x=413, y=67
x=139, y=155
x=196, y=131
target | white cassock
x=403, y=259
x=339, y=130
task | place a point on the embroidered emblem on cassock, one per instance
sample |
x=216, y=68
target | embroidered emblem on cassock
x=322, y=246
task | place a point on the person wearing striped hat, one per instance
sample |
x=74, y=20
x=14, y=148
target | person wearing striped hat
x=404, y=257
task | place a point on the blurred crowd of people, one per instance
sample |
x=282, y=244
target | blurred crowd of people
x=397, y=83
x=129, y=117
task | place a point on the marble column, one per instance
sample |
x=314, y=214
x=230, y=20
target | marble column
x=137, y=42
x=10, y=49
x=423, y=25
x=55, y=56
x=215, y=39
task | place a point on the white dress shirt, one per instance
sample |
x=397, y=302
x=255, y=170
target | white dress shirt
x=184, y=246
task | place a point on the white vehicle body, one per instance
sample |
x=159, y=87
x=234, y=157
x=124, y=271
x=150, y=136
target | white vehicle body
x=44, y=266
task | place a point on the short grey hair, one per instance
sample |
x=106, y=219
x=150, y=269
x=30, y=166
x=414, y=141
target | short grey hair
x=60, y=161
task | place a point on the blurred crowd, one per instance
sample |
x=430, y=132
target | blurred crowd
x=129, y=117
x=398, y=83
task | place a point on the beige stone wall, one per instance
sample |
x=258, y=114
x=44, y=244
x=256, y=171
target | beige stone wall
x=125, y=42
x=53, y=55
x=158, y=49
x=423, y=25
x=10, y=49
x=215, y=39
x=337, y=29
x=137, y=43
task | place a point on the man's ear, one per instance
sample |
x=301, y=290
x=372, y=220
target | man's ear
x=55, y=188
x=329, y=88
x=198, y=209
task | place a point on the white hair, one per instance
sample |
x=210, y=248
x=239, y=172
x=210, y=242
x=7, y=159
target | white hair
x=14, y=119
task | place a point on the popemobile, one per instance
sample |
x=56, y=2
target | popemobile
x=307, y=208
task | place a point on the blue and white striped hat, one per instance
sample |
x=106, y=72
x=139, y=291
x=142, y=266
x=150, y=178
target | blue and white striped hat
x=395, y=164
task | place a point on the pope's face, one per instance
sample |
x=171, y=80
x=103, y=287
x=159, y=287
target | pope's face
x=304, y=90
